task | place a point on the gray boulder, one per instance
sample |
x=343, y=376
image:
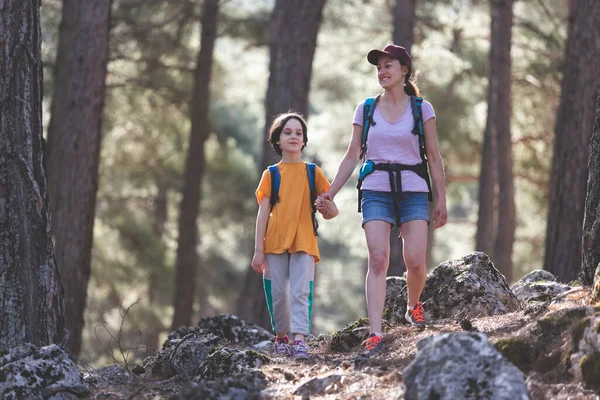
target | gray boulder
x=234, y=329
x=395, y=287
x=29, y=372
x=246, y=386
x=228, y=362
x=465, y=288
x=108, y=376
x=462, y=366
x=187, y=354
x=585, y=354
x=538, y=285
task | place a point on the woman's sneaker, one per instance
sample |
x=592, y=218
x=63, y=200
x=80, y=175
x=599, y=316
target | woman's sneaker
x=416, y=316
x=300, y=350
x=373, y=345
x=281, y=348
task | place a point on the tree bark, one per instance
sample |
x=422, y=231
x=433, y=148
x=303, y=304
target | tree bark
x=31, y=296
x=405, y=18
x=484, y=239
x=293, y=31
x=591, y=219
x=187, y=258
x=404, y=25
x=500, y=111
x=574, y=124
x=74, y=137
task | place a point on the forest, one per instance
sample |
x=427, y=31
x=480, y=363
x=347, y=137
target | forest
x=133, y=137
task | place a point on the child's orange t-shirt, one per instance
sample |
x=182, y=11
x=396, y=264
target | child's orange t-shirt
x=290, y=225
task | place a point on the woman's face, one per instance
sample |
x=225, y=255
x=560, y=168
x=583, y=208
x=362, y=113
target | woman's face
x=390, y=72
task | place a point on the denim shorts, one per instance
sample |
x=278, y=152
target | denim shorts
x=379, y=206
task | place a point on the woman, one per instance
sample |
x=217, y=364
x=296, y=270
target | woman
x=387, y=197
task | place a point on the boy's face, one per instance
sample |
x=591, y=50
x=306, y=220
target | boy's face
x=291, y=139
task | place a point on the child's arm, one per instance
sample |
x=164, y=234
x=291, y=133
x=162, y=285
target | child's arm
x=258, y=261
x=326, y=207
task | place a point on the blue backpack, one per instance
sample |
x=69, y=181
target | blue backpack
x=369, y=166
x=276, y=181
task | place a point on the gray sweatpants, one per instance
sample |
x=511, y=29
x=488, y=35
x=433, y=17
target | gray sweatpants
x=288, y=280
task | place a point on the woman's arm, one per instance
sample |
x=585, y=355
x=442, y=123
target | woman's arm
x=348, y=163
x=436, y=168
x=258, y=261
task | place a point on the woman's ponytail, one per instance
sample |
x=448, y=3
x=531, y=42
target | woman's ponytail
x=410, y=88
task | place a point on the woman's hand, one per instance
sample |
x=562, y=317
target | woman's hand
x=326, y=206
x=258, y=262
x=440, y=214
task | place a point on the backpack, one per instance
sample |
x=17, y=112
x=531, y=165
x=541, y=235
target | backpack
x=369, y=166
x=276, y=181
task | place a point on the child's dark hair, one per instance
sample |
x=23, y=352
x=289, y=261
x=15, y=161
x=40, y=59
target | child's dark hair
x=277, y=126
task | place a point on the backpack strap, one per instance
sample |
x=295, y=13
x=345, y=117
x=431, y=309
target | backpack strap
x=275, y=181
x=311, y=174
x=368, y=110
x=417, y=111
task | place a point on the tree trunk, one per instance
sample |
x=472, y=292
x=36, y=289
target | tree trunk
x=405, y=17
x=187, y=257
x=500, y=112
x=497, y=130
x=404, y=25
x=591, y=220
x=397, y=266
x=74, y=138
x=154, y=325
x=293, y=30
x=574, y=124
x=159, y=228
x=31, y=296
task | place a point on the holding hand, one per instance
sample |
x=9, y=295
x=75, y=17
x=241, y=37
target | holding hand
x=326, y=206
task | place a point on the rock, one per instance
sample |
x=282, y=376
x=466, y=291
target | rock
x=465, y=288
x=188, y=353
x=538, y=285
x=108, y=376
x=350, y=336
x=518, y=351
x=585, y=355
x=264, y=346
x=462, y=366
x=234, y=329
x=318, y=386
x=182, y=332
x=247, y=386
x=227, y=362
x=535, y=308
x=395, y=287
x=537, y=275
x=28, y=372
x=596, y=288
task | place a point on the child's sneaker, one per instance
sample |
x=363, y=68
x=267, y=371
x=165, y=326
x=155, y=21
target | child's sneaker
x=416, y=316
x=372, y=345
x=300, y=350
x=281, y=347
